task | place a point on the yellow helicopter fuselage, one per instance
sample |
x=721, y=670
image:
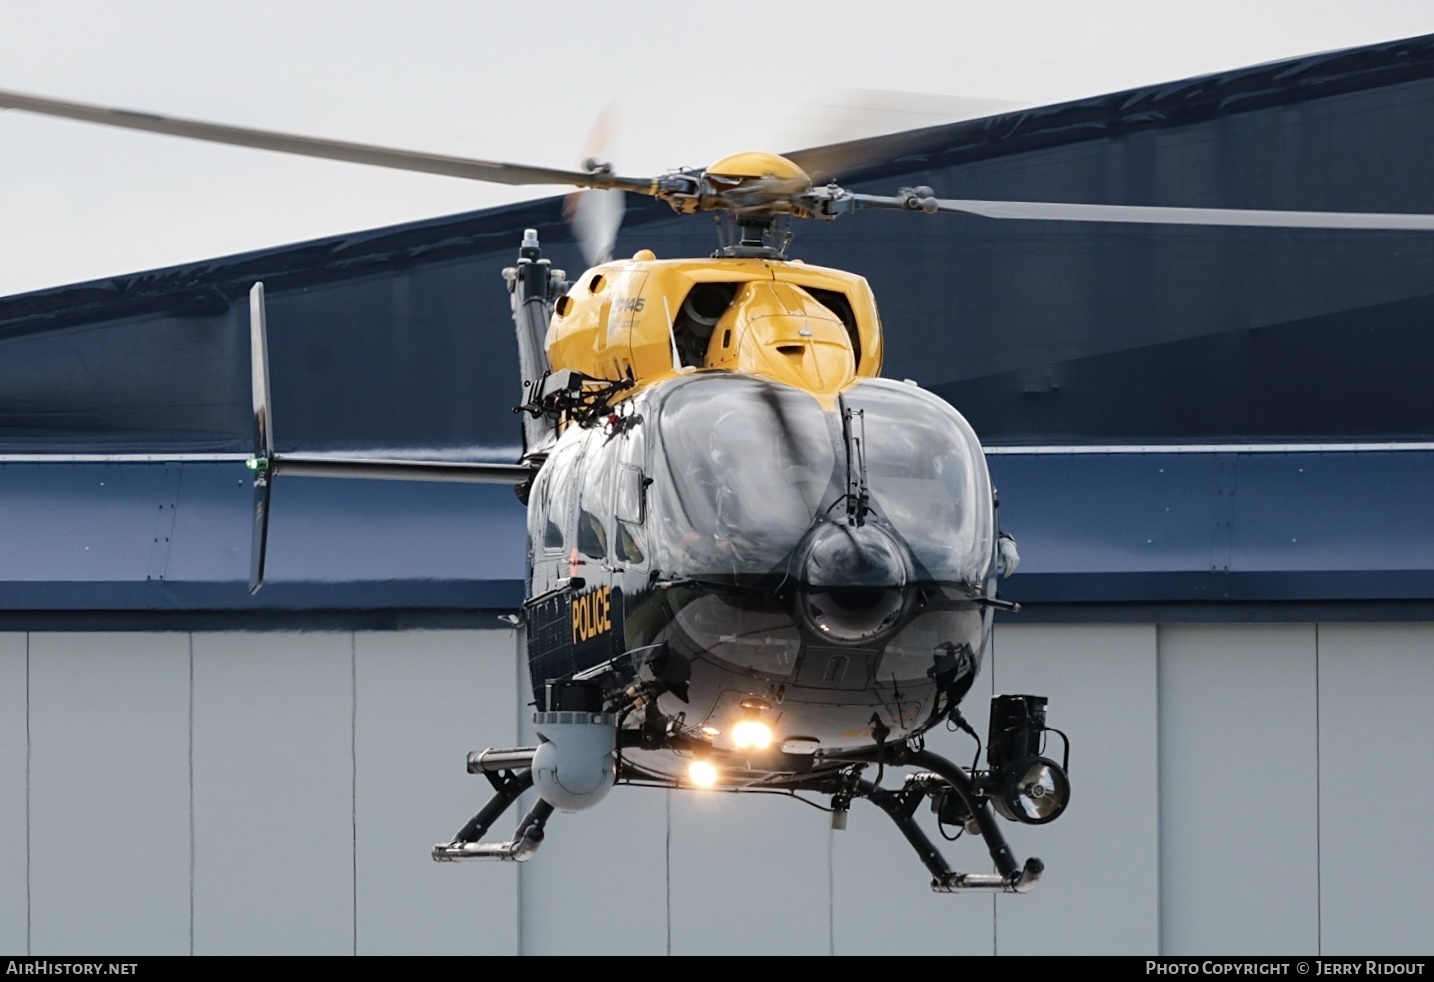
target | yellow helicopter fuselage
x=647, y=319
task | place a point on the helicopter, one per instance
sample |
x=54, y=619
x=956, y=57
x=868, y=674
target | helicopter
x=753, y=563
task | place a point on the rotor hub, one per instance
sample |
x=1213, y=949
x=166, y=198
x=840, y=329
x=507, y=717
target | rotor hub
x=752, y=164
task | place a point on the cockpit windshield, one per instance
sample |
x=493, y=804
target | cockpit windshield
x=743, y=467
x=927, y=477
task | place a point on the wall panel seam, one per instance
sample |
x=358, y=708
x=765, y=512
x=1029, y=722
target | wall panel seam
x=29, y=916
x=1319, y=808
x=353, y=777
x=1159, y=799
x=191, y=793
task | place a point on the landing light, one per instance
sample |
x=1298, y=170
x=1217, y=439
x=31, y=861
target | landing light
x=1034, y=791
x=702, y=774
x=751, y=734
x=1031, y=788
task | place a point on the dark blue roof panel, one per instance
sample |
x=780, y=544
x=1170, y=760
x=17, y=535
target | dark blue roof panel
x=1093, y=527
x=1184, y=527
x=175, y=536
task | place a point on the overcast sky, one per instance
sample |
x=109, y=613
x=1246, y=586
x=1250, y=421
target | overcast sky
x=522, y=82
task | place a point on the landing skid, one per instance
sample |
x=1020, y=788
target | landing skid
x=508, y=785
x=510, y=773
x=900, y=806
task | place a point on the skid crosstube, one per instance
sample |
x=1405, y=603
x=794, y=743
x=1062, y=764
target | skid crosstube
x=1010, y=876
x=510, y=772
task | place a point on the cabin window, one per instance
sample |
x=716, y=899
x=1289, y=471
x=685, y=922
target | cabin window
x=629, y=499
x=551, y=503
x=631, y=511
x=631, y=495
x=592, y=537
x=594, y=516
x=628, y=551
x=552, y=534
x=544, y=522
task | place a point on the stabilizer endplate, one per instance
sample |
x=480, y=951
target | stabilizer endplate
x=263, y=436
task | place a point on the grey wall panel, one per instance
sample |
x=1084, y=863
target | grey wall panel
x=426, y=698
x=1101, y=894
x=1263, y=837
x=14, y=796
x=273, y=793
x=598, y=886
x=109, y=793
x=882, y=902
x=1376, y=684
x=749, y=875
x=1238, y=783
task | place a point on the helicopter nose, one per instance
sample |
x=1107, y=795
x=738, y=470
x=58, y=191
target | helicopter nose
x=853, y=583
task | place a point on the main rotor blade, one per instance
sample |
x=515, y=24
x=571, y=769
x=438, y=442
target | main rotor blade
x=1050, y=211
x=308, y=146
x=848, y=129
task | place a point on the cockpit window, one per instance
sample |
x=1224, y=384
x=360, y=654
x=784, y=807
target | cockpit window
x=751, y=633
x=743, y=467
x=928, y=478
x=747, y=465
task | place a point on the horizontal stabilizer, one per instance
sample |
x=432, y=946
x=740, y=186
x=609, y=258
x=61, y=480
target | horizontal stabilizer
x=380, y=469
